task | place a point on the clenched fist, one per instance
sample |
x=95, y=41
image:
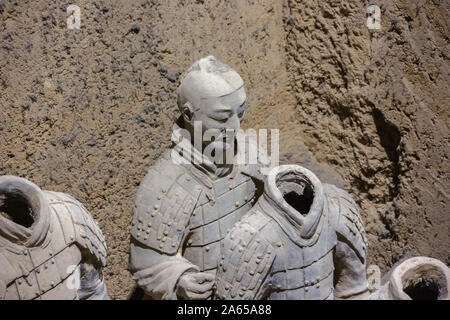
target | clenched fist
x=196, y=286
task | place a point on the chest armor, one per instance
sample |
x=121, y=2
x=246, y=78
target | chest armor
x=304, y=271
x=221, y=204
x=50, y=271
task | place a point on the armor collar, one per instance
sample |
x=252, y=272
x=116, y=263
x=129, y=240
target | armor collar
x=302, y=227
x=14, y=234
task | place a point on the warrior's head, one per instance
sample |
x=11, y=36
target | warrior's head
x=213, y=95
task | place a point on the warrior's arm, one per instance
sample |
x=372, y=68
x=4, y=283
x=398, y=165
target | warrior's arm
x=92, y=284
x=350, y=252
x=160, y=225
x=157, y=273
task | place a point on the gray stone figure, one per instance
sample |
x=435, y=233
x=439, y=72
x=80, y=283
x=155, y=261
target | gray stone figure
x=302, y=240
x=305, y=240
x=50, y=247
x=183, y=209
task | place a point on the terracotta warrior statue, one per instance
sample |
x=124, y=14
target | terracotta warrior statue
x=192, y=196
x=50, y=247
x=305, y=240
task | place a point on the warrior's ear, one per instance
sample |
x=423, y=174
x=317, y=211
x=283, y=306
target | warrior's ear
x=188, y=111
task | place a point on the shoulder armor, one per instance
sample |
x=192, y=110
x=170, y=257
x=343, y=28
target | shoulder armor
x=245, y=263
x=78, y=225
x=349, y=227
x=163, y=206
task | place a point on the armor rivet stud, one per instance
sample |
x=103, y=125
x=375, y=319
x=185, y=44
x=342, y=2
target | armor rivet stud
x=207, y=248
x=241, y=293
x=149, y=225
x=37, y=270
x=307, y=283
x=145, y=238
x=279, y=244
x=252, y=272
x=245, y=198
x=306, y=289
x=19, y=281
x=51, y=253
x=153, y=214
x=161, y=246
x=189, y=241
x=237, y=204
x=231, y=186
x=53, y=261
x=156, y=207
x=166, y=233
x=318, y=285
x=25, y=252
x=240, y=249
x=52, y=283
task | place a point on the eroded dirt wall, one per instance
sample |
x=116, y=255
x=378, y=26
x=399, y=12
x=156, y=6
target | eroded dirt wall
x=375, y=106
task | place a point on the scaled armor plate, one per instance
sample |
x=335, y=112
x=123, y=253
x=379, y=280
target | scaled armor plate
x=180, y=209
x=44, y=272
x=265, y=256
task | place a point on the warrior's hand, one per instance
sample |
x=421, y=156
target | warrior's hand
x=196, y=286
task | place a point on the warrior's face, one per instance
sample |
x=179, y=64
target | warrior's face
x=223, y=114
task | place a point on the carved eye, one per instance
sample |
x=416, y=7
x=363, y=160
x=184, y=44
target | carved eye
x=241, y=113
x=222, y=120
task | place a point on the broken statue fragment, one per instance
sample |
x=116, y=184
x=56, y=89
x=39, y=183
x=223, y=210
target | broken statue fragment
x=50, y=247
